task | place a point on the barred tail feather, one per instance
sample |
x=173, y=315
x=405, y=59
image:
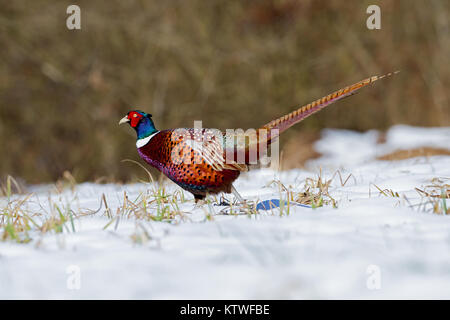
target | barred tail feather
x=287, y=121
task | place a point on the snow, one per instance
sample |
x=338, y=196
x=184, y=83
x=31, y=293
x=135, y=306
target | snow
x=346, y=148
x=370, y=246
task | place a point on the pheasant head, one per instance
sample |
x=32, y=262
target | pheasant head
x=141, y=122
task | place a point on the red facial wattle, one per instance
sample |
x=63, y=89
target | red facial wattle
x=135, y=118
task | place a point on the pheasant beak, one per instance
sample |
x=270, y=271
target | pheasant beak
x=124, y=120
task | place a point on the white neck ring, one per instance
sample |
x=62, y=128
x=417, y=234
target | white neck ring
x=142, y=142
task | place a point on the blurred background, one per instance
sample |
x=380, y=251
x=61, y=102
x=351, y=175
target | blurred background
x=232, y=64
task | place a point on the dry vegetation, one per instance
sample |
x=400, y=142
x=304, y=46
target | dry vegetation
x=21, y=221
x=416, y=152
x=23, y=218
x=434, y=196
x=230, y=63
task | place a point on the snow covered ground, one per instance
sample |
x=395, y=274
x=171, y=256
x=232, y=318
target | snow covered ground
x=372, y=245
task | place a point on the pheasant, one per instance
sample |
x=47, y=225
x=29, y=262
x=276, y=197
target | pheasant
x=198, y=159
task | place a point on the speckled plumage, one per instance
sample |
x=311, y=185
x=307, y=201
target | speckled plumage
x=173, y=155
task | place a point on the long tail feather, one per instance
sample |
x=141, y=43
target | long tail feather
x=298, y=115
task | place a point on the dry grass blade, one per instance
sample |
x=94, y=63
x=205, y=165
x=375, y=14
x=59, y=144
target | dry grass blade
x=434, y=197
x=316, y=192
x=140, y=165
x=387, y=192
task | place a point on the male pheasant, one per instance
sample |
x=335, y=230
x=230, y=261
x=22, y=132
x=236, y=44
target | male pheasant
x=198, y=159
